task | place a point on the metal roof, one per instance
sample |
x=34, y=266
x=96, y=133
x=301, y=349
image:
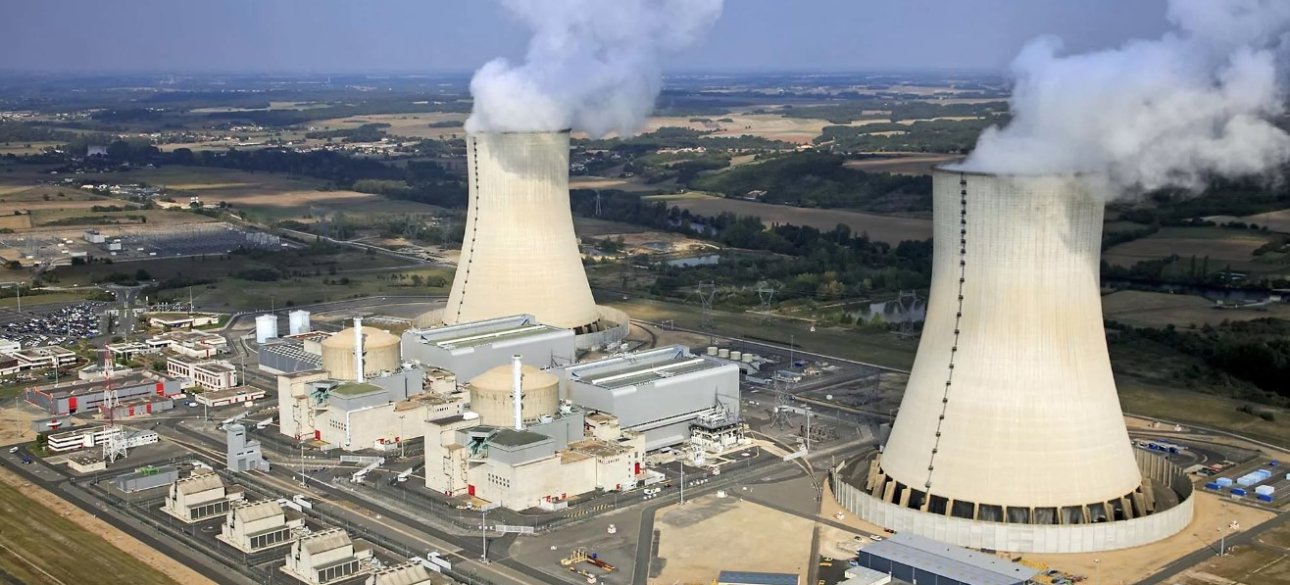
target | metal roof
x=955, y=562
x=641, y=367
x=468, y=335
x=754, y=578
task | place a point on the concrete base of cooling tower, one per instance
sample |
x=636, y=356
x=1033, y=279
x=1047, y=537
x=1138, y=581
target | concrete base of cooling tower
x=848, y=481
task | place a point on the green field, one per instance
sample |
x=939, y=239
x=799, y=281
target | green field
x=38, y=546
x=232, y=294
x=1202, y=409
x=46, y=299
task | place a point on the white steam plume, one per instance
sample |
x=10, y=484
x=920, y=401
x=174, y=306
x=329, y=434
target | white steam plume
x=1198, y=102
x=591, y=65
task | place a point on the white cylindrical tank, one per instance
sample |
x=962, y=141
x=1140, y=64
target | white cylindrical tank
x=748, y=358
x=380, y=353
x=298, y=322
x=520, y=254
x=712, y=350
x=492, y=395
x=266, y=327
x=723, y=353
x=1011, y=409
x=737, y=356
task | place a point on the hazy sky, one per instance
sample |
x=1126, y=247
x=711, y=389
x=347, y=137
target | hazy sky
x=435, y=36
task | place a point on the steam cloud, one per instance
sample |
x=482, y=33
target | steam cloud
x=591, y=65
x=1195, y=103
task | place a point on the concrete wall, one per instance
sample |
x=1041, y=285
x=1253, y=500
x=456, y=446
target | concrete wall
x=616, y=327
x=1032, y=538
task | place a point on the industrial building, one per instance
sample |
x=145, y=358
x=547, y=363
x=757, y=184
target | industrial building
x=327, y=556
x=293, y=353
x=9, y=346
x=378, y=413
x=208, y=374
x=520, y=255
x=226, y=397
x=1010, y=434
x=409, y=573
x=254, y=527
x=170, y=321
x=542, y=465
x=200, y=496
x=380, y=353
x=661, y=392
x=146, y=478
x=193, y=344
x=241, y=453
x=469, y=349
x=80, y=396
x=86, y=437
x=492, y=394
x=37, y=358
x=916, y=559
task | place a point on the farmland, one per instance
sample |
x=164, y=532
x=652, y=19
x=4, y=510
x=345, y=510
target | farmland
x=1223, y=247
x=883, y=228
x=1152, y=309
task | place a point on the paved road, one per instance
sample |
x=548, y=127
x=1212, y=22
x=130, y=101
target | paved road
x=1245, y=537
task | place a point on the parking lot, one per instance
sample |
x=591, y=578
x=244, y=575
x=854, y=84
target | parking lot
x=187, y=240
x=52, y=324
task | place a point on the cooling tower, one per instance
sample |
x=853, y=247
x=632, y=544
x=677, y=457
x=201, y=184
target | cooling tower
x=1010, y=434
x=520, y=255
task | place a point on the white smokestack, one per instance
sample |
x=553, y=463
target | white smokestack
x=1173, y=111
x=517, y=375
x=359, y=376
x=590, y=66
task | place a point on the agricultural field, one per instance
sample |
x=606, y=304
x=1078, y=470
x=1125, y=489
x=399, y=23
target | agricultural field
x=269, y=196
x=234, y=294
x=1203, y=409
x=1277, y=221
x=35, y=542
x=883, y=228
x=1152, y=309
x=1222, y=246
x=411, y=125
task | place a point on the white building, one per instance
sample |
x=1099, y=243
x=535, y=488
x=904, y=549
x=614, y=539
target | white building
x=253, y=527
x=327, y=556
x=209, y=374
x=193, y=344
x=35, y=358
x=229, y=396
x=409, y=573
x=470, y=349
x=200, y=496
x=9, y=346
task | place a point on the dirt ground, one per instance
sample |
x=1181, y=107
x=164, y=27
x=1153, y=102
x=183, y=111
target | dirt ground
x=902, y=164
x=15, y=424
x=711, y=534
x=126, y=543
x=882, y=228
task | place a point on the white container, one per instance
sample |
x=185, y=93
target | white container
x=712, y=350
x=723, y=354
x=737, y=355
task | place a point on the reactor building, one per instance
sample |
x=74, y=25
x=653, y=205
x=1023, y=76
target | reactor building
x=1010, y=434
x=520, y=254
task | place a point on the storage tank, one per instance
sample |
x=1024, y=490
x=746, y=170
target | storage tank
x=723, y=353
x=737, y=356
x=492, y=395
x=748, y=358
x=298, y=322
x=266, y=327
x=712, y=350
x=520, y=254
x=380, y=353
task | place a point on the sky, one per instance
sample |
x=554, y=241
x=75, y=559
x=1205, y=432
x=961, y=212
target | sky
x=457, y=36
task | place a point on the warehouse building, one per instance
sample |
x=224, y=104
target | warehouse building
x=327, y=556
x=254, y=527
x=217, y=398
x=209, y=374
x=470, y=349
x=660, y=392
x=916, y=559
x=80, y=396
x=86, y=437
x=200, y=496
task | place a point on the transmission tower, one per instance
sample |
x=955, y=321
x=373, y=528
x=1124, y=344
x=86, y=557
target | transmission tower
x=779, y=416
x=707, y=293
x=765, y=294
x=597, y=202
x=114, y=448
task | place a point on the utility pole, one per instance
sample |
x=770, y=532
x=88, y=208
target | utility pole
x=483, y=531
x=302, y=458
x=707, y=293
x=682, y=483
x=807, y=410
x=792, y=341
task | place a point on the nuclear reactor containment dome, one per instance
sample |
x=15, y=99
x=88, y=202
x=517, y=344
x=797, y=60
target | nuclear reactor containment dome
x=520, y=255
x=1011, y=418
x=492, y=395
x=380, y=349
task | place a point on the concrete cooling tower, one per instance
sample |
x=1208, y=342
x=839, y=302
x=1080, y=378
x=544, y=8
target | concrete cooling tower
x=520, y=255
x=1010, y=434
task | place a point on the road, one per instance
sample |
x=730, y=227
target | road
x=1245, y=537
